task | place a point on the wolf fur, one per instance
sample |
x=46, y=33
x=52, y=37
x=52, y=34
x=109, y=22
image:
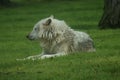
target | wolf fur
x=57, y=39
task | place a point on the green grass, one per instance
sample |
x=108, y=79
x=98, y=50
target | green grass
x=17, y=21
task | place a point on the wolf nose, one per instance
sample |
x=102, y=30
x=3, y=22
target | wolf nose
x=27, y=36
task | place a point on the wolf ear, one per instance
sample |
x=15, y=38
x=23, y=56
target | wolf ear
x=47, y=22
x=51, y=16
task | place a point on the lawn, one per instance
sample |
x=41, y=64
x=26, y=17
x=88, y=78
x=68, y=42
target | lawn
x=83, y=15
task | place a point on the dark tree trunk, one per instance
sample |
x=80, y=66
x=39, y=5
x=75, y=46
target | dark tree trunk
x=4, y=2
x=111, y=15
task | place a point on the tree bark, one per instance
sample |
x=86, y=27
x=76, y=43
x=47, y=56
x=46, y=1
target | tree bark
x=111, y=15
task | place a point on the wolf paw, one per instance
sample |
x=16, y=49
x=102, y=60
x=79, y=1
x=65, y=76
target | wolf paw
x=47, y=56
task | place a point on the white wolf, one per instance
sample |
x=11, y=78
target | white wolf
x=57, y=39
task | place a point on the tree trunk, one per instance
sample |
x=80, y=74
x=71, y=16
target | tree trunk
x=4, y=2
x=111, y=15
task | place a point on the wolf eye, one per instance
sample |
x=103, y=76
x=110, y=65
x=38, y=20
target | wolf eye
x=35, y=29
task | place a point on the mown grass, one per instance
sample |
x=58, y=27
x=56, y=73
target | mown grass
x=17, y=21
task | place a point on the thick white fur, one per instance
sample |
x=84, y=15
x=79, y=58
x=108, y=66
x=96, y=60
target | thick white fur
x=57, y=39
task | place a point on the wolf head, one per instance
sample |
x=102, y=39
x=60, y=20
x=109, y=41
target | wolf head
x=47, y=28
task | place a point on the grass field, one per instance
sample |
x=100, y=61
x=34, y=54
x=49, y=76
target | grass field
x=17, y=21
